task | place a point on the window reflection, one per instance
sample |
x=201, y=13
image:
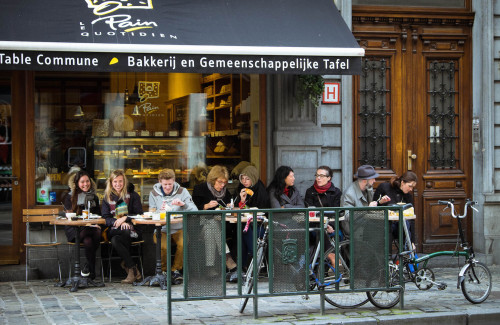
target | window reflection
x=141, y=123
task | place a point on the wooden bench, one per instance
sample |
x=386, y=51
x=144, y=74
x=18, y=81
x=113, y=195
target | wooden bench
x=41, y=215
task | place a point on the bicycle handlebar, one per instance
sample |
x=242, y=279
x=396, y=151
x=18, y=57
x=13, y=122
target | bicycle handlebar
x=449, y=204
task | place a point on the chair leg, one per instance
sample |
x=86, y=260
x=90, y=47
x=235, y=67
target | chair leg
x=110, y=255
x=27, y=263
x=58, y=263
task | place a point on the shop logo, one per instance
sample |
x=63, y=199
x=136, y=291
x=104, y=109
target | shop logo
x=118, y=16
x=149, y=89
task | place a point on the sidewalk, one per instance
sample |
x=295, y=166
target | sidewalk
x=40, y=302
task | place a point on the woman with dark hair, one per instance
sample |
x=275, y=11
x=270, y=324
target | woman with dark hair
x=121, y=201
x=324, y=194
x=81, y=196
x=399, y=190
x=282, y=192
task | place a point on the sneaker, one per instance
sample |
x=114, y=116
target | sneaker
x=176, y=277
x=85, y=270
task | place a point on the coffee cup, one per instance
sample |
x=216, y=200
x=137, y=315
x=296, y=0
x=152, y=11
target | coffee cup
x=156, y=216
x=312, y=214
x=85, y=214
x=70, y=215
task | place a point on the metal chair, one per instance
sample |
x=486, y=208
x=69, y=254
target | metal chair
x=40, y=216
x=71, y=262
x=138, y=255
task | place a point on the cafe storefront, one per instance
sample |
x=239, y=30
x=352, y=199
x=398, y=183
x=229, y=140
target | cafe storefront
x=146, y=85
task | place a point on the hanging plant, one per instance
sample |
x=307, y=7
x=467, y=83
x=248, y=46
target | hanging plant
x=309, y=87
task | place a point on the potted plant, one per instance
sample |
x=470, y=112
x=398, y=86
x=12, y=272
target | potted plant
x=309, y=87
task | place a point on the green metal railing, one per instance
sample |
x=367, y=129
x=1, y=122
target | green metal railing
x=365, y=225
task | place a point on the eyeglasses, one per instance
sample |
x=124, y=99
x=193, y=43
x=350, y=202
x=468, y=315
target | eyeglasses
x=221, y=181
x=320, y=176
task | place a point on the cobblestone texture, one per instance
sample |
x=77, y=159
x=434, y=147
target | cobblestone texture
x=40, y=302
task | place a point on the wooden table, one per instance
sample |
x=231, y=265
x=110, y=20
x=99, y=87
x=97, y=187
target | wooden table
x=159, y=277
x=77, y=281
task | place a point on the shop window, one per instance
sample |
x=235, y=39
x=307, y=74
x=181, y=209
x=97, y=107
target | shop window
x=140, y=123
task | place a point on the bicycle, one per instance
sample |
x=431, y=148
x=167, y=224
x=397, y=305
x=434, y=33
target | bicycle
x=474, y=277
x=341, y=299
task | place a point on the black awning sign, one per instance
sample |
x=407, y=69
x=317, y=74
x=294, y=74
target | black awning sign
x=259, y=36
x=69, y=61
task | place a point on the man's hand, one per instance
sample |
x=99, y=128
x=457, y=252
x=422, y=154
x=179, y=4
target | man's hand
x=178, y=202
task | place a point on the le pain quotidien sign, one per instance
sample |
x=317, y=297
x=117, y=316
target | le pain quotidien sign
x=81, y=61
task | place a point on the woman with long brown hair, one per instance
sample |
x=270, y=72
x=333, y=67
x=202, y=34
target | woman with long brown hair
x=120, y=201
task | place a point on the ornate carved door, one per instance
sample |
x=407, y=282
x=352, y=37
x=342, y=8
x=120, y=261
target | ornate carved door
x=413, y=105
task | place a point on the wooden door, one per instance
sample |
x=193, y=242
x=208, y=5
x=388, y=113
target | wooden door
x=413, y=105
x=12, y=169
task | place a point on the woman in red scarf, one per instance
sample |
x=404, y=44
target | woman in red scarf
x=324, y=194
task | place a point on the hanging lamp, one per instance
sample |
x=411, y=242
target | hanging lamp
x=79, y=111
x=136, y=111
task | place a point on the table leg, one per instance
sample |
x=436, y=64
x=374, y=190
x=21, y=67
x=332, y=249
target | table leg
x=159, y=277
x=77, y=281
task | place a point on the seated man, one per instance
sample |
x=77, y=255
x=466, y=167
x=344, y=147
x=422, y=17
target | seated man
x=168, y=195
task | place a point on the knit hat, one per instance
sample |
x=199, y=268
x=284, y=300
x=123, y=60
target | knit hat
x=252, y=173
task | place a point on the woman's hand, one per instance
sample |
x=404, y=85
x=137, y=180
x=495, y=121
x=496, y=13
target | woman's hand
x=329, y=229
x=178, y=202
x=384, y=199
x=243, y=195
x=120, y=221
x=211, y=204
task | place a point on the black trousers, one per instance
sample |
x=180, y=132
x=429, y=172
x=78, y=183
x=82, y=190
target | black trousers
x=121, y=240
x=90, y=237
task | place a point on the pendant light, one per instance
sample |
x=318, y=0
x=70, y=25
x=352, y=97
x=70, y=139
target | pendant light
x=134, y=97
x=126, y=97
x=136, y=111
x=79, y=111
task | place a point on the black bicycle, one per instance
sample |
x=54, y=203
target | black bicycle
x=474, y=277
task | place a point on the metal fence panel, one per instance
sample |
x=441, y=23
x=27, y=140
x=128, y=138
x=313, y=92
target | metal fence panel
x=289, y=252
x=205, y=252
x=368, y=245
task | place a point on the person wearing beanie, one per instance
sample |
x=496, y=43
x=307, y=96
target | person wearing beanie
x=251, y=193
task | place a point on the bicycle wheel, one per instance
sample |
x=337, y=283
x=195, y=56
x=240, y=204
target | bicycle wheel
x=249, y=278
x=387, y=298
x=345, y=300
x=476, y=285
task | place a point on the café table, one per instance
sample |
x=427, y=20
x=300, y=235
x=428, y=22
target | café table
x=77, y=280
x=159, y=277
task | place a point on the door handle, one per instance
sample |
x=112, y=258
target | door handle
x=411, y=157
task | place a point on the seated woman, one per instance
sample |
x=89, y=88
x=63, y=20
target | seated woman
x=209, y=196
x=324, y=194
x=120, y=201
x=399, y=190
x=81, y=196
x=282, y=192
x=252, y=194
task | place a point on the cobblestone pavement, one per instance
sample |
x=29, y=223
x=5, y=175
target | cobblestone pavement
x=40, y=302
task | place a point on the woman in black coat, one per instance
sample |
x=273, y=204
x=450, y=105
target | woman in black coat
x=324, y=194
x=120, y=202
x=211, y=195
x=81, y=197
x=251, y=193
x=399, y=190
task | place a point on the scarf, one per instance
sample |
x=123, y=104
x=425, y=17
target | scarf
x=218, y=195
x=322, y=189
x=286, y=191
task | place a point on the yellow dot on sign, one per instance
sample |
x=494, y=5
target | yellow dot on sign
x=113, y=61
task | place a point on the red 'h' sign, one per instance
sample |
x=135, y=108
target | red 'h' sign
x=331, y=93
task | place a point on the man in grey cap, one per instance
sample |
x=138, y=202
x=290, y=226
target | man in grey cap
x=360, y=193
